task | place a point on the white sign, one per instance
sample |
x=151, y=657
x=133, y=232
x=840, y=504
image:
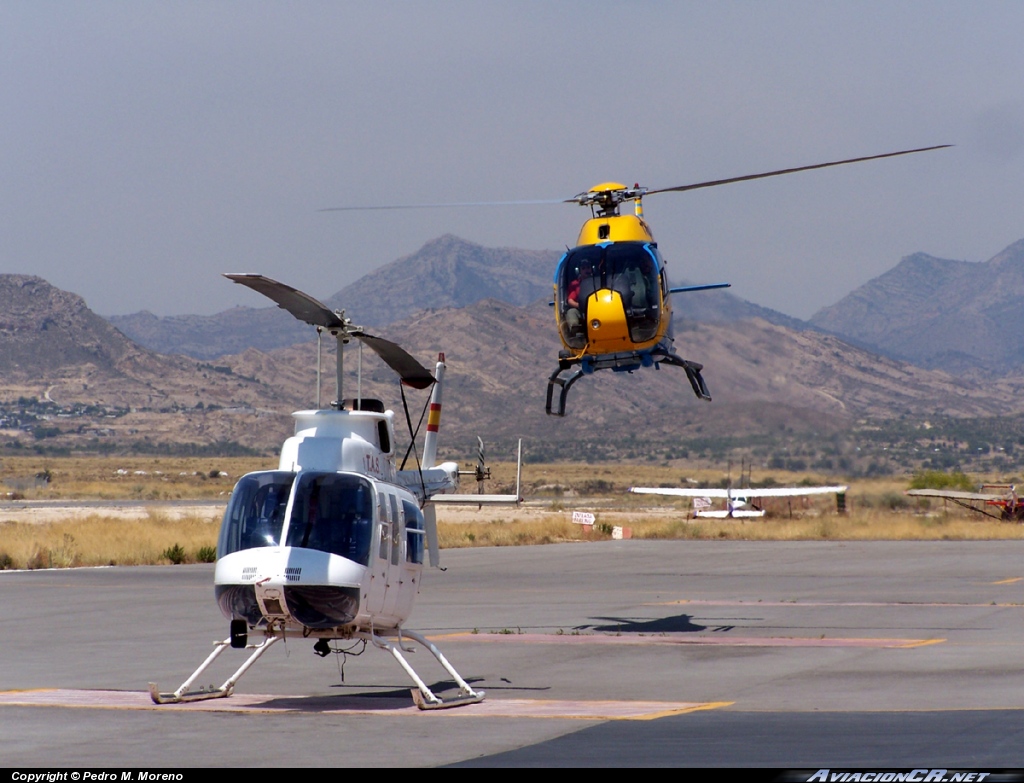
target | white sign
x=583, y=518
x=701, y=503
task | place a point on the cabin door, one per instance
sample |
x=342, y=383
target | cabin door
x=386, y=560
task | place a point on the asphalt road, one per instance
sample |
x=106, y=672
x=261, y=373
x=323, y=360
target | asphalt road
x=800, y=655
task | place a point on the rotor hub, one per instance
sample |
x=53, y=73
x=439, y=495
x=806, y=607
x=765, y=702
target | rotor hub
x=605, y=198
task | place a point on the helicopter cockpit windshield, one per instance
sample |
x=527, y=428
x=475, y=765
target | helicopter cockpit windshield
x=333, y=512
x=631, y=269
x=255, y=515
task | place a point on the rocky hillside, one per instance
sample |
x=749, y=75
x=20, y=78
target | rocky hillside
x=43, y=329
x=764, y=379
x=71, y=380
x=953, y=315
x=66, y=371
x=446, y=272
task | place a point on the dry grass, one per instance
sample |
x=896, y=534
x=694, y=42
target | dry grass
x=99, y=540
x=127, y=478
x=877, y=510
x=866, y=525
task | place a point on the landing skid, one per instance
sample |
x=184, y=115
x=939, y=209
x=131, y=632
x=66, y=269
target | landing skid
x=184, y=692
x=692, y=370
x=564, y=384
x=621, y=362
x=422, y=696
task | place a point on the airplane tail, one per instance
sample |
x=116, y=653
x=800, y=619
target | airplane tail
x=434, y=416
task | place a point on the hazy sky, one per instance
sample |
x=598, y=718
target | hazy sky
x=148, y=146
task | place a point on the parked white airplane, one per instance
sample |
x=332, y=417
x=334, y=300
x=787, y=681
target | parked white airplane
x=736, y=500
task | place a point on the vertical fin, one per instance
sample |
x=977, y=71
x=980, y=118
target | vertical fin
x=519, y=472
x=434, y=416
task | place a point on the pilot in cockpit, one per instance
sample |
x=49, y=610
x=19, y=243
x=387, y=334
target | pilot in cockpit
x=576, y=295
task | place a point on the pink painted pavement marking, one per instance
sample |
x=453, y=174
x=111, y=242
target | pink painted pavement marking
x=355, y=705
x=691, y=639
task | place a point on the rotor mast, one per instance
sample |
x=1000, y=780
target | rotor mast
x=343, y=335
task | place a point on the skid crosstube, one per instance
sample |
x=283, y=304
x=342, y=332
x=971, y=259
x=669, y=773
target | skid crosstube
x=620, y=362
x=422, y=696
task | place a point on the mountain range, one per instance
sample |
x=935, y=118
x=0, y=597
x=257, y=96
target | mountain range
x=958, y=316
x=445, y=272
x=235, y=376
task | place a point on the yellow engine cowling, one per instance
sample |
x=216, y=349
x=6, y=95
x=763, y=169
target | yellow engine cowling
x=615, y=228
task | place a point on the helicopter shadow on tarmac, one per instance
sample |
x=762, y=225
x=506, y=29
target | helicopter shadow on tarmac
x=680, y=623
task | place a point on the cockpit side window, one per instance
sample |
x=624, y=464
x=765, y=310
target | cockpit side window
x=385, y=530
x=580, y=276
x=413, y=533
x=333, y=512
x=396, y=534
x=255, y=514
x=633, y=273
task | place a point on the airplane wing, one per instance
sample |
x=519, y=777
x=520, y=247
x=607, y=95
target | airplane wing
x=788, y=492
x=476, y=500
x=682, y=492
x=773, y=492
x=952, y=495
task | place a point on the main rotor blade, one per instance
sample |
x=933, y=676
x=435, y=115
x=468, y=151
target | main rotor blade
x=302, y=306
x=713, y=183
x=452, y=204
x=398, y=359
x=306, y=308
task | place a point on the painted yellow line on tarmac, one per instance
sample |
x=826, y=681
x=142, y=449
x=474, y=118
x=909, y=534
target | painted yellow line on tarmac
x=843, y=604
x=1009, y=581
x=358, y=705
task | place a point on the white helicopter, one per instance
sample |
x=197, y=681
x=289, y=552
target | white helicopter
x=331, y=545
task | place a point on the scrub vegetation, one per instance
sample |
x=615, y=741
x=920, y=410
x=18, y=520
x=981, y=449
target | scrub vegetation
x=864, y=525
x=98, y=541
x=877, y=509
x=123, y=478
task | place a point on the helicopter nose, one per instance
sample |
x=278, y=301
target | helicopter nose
x=606, y=322
x=322, y=606
x=314, y=606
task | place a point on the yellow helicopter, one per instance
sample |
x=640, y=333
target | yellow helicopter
x=612, y=297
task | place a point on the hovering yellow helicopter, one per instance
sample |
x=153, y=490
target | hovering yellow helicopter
x=612, y=298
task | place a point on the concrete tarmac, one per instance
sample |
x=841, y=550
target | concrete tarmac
x=681, y=653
